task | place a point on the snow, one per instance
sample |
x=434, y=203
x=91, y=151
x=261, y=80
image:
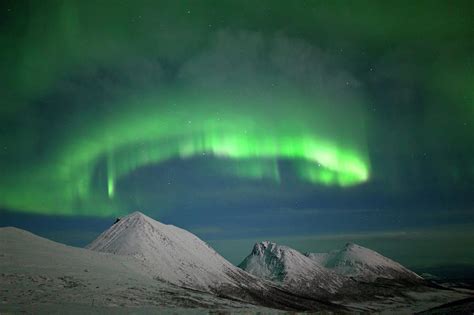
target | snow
x=142, y=266
x=355, y=277
x=40, y=276
x=176, y=256
x=145, y=264
x=284, y=264
x=362, y=263
x=166, y=251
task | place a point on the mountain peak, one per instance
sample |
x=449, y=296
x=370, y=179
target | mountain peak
x=281, y=263
x=136, y=215
x=350, y=245
x=260, y=247
x=168, y=252
x=137, y=220
x=134, y=221
x=354, y=247
x=357, y=261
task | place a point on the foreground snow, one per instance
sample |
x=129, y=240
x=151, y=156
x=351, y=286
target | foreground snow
x=41, y=276
x=142, y=266
x=38, y=274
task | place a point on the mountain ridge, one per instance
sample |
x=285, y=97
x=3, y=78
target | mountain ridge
x=345, y=272
x=38, y=270
x=283, y=264
x=171, y=253
x=38, y=274
x=174, y=255
x=362, y=263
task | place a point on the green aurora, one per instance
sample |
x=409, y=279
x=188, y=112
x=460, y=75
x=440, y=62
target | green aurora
x=229, y=130
x=94, y=92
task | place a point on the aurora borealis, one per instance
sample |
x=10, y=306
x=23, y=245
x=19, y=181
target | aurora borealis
x=215, y=109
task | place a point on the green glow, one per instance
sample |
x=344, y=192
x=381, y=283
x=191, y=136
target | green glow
x=327, y=176
x=89, y=99
x=250, y=168
x=240, y=133
x=110, y=174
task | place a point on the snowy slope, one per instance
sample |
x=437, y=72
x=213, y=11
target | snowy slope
x=38, y=276
x=177, y=256
x=286, y=265
x=362, y=263
x=41, y=276
x=354, y=276
x=170, y=253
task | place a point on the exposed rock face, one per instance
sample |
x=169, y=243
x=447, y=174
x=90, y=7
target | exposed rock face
x=286, y=265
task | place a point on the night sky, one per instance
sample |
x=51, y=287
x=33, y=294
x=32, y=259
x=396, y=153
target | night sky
x=311, y=123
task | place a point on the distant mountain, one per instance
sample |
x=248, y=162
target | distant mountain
x=286, y=265
x=457, y=275
x=362, y=264
x=354, y=275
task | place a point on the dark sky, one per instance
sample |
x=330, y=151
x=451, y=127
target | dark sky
x=302, y=121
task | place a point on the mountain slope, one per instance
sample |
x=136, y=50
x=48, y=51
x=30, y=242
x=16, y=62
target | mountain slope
x=362, y=263
x=39, y=276
x=355, y=276
x=179, y=257
x=170, y=253
x=286, y=265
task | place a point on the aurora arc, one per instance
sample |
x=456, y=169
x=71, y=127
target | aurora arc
x=245, y=100
x=240, y=132
x=305, y=122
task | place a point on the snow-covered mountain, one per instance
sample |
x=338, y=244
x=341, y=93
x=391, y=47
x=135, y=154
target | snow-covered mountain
x=42, y=276
x=288, y=266
x=170, y=253
x=179, y=257
x=39, y=276
x=362, y=264
x=351, y=272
